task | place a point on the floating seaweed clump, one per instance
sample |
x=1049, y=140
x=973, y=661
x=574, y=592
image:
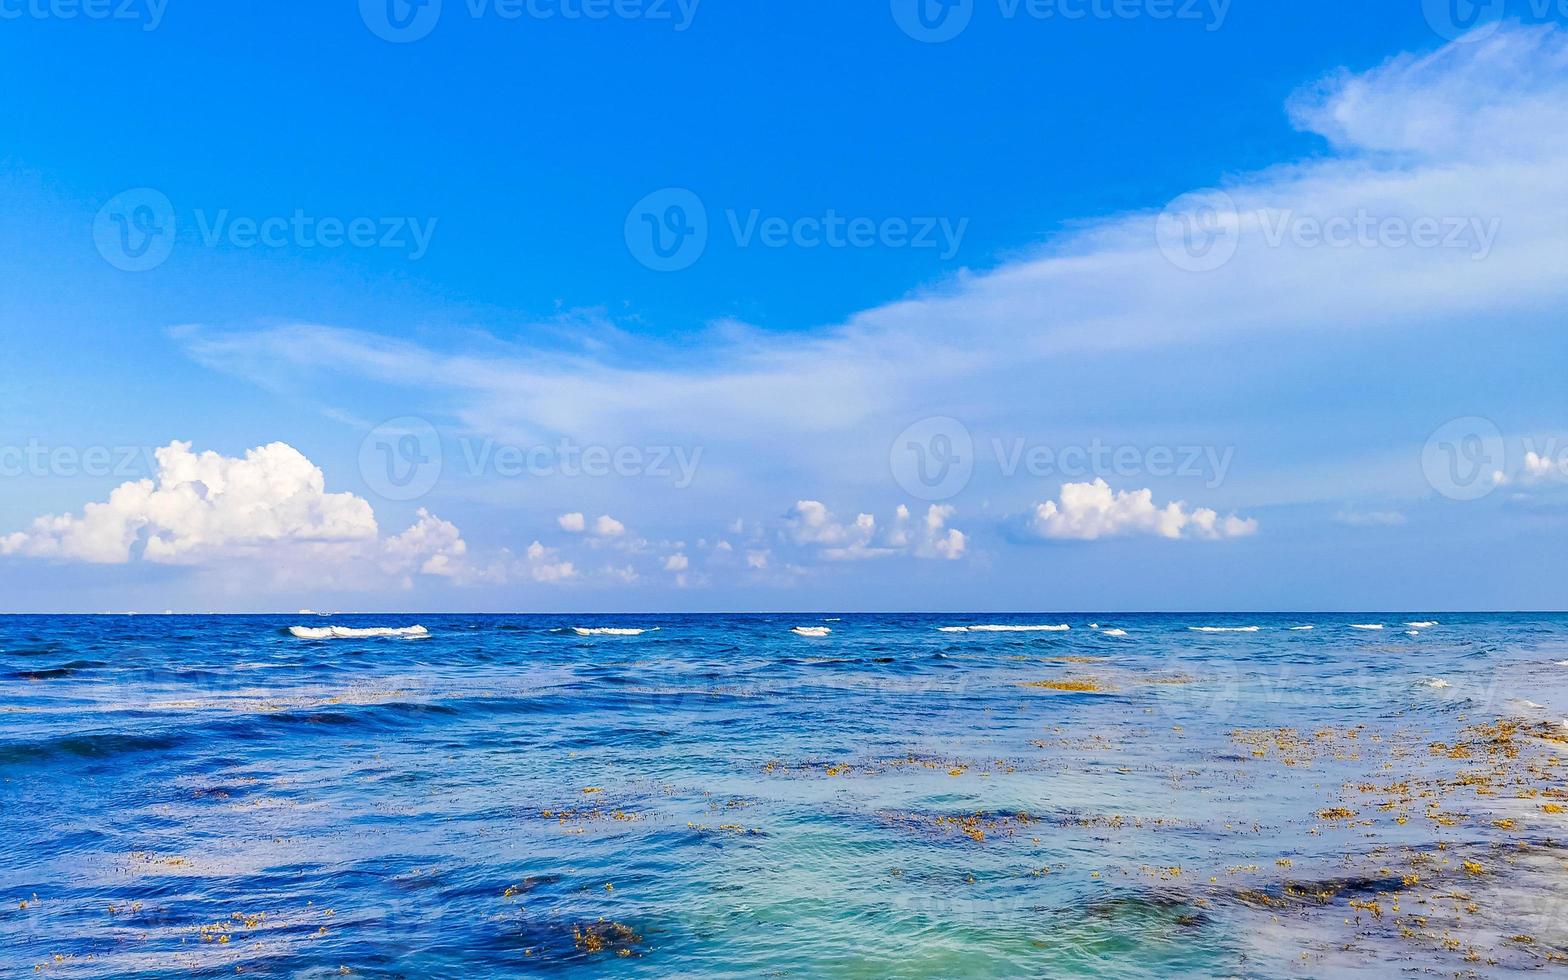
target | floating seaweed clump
x=1072, y=685
x=975, y=826
x=605, y=936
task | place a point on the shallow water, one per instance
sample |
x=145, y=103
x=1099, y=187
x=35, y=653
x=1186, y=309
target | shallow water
x=722, y=796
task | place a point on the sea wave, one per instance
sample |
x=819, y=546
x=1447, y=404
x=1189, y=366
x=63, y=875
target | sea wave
x=612, y=630
x=352, y=632
x=1422, y=624
x=812, y=631
x=1004, y=629
x=1366, y=626
x=1114, y=632
x=1225, y=629
x=1297, y=629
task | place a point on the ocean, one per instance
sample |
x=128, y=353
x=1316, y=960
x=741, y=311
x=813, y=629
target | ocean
x=807, y=795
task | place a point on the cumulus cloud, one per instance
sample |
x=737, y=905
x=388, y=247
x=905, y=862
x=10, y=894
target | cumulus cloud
x=573, y=522
x=1090, y=511
x=810, y=524
x=544, y=565
x=267, y=511
x=608, y=527
x=930, y=537
x=431, y=545
x=676, y=563
x=1537, y=467
x=202, y=505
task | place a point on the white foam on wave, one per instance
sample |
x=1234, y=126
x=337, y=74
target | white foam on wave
x=1562, y=663
x=611, y=630
x=1225, y=629
x=1004, y=629
x=1114, y=632
x=811, y=631
x=1366, y=626
x=1297, y=629
x=353, y=632
x=1412, y=632
x=1436, y=682
x=1422, y=624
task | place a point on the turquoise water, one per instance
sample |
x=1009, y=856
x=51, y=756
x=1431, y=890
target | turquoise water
x=720, y=796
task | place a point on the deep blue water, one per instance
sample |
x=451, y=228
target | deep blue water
x=200, y=796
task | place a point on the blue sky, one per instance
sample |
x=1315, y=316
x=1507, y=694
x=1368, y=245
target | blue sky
x=1285, y=280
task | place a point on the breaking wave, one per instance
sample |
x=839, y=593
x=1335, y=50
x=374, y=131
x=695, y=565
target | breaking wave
x=351, y=632
x=1004, y=629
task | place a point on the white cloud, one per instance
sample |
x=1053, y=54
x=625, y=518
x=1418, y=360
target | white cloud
x=810, y=523
x=1090, y=511
x=608, y=527
x=1537, y=467
x=202, y=506
x=267, y=514
x=571, y=522
x=543, y=565
x=676, y=563
x=431, y=545
x=931, y=538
